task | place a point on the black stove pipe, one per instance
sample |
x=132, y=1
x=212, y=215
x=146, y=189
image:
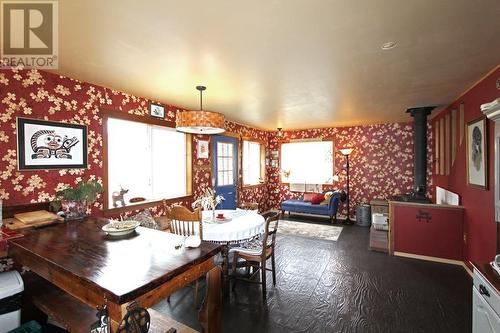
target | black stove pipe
x=420, y=150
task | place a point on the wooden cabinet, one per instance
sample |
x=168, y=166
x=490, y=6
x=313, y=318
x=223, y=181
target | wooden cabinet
x=379, y=239
x=379, y=206
x=426, y=231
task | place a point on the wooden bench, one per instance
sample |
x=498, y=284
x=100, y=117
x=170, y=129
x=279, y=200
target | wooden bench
x=76, y=316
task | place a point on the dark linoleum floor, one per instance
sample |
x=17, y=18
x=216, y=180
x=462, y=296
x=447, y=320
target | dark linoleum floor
x=325, y=286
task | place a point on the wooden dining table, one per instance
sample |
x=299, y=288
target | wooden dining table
x=146, y=267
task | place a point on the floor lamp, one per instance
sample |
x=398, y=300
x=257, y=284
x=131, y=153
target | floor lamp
x=346, y=152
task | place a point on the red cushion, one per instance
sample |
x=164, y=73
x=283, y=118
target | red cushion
x=317, y=199
x=309, y=196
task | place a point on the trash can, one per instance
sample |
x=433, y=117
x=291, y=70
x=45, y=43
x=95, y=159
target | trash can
x=363, y=215
x=11, y=290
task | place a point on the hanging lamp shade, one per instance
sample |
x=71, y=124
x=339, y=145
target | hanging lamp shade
x=200, y=122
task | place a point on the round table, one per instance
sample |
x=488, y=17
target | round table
x=239, y=226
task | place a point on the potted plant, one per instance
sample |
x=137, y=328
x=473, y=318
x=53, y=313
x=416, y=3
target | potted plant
x=75, y=201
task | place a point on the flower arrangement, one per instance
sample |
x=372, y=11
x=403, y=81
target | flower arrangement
x=208, y=200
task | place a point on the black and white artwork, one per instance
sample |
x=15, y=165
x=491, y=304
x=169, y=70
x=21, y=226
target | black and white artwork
x=156, y=110
x=477, y=150
x=45, y=144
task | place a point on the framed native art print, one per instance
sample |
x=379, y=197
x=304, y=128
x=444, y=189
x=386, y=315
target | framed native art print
x=477, y=153
x=45, y=144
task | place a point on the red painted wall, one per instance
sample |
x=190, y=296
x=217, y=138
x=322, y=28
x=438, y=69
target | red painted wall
x=479, y=224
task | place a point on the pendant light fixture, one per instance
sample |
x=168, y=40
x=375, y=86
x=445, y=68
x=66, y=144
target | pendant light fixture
x=200, y=122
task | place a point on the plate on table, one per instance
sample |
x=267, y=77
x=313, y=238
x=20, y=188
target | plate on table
x=120, y=228
x=222, y=219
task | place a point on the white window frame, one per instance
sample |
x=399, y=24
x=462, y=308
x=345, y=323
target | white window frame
x=328, y=180
x=245, y=165
x=150, y=202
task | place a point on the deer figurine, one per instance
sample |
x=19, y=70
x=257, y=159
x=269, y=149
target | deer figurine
x=117, y=197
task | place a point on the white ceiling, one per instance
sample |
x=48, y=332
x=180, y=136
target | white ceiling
x=288, y=63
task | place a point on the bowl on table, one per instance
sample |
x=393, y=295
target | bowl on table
x=120, y=228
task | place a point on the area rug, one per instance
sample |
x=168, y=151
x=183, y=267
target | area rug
x=327, y=232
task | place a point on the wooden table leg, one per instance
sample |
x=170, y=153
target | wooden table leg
x=209, y=315
x=116, y=312
x=225, y=263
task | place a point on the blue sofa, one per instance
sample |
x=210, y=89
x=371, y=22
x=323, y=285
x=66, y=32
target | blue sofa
x=300, y=206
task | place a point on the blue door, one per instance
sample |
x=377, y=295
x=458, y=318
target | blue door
x=225, y=169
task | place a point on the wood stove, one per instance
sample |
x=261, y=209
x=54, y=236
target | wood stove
x=419, y=114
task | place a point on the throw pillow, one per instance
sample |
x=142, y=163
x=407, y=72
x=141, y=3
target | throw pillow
x=163, y=223
x=327, y=196
x=309, y=196
x=317, y=199
x=146, y=219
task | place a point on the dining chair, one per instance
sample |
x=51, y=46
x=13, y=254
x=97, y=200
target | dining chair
x=257, y=252
x=185, y=223
x=249, y=206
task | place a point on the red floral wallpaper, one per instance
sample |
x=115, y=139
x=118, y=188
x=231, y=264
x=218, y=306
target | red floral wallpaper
x=381, y=164
x=202, y=168
x=43, y=95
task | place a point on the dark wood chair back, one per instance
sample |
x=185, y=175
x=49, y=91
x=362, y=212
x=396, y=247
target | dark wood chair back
x=272, y=220
x=185, y=222
x=249, y=206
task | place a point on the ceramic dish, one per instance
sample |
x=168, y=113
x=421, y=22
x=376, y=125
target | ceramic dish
x=223, y=219
x=120, y=228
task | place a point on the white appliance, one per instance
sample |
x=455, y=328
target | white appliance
x=380, y=221
x=485, y=306
x=11, y=289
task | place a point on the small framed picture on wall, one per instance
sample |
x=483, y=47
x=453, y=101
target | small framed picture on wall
x=477, y=153
x=45, y=144
x=156, y=110
x=202, y=149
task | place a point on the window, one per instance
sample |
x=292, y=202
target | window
x=147, y=160
x=225, y=158
x=309, y=162
x=252, y=163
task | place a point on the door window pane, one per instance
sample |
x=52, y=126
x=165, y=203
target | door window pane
x=225, y=164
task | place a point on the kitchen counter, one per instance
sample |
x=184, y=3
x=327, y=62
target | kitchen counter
x=488, y=274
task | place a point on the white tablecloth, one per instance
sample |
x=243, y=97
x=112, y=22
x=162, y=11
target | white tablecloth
x=241, y=225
